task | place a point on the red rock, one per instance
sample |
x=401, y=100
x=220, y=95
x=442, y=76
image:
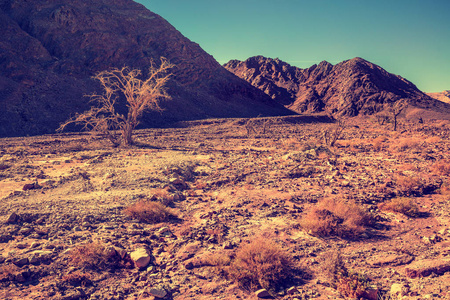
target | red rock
x=426, y=267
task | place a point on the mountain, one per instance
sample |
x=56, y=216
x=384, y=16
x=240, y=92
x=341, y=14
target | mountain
x=349, y=88
x=442, y=96
x=50, y=49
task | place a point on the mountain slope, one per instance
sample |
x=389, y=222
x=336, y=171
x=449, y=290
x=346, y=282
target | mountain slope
x=50, y=49
x=442, y=96
x=349, y=88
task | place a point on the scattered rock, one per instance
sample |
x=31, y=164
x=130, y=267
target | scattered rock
x=13, y=218
x=31, y=186
x=158, y=292
x=398, y=290
x=426, y=267
x=140, y=257
x=21, y=262
x=263, y=294
x=40, y=256
x=390, y=259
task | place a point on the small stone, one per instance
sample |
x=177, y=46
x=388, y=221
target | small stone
x=158, y=292
x=141, y=258
x=13, y=218
x=292, y=290
x=39, y=256
x=398, y=290
x=164, y=231
x=228, y=245
x=263, y=293
x=21, y=262
x=25, y=230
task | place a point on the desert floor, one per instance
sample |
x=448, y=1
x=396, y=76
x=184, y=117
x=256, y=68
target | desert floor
x=62, y=198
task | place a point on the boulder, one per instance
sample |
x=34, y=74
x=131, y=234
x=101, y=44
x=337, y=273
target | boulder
x=141, y=258
x=426, y=267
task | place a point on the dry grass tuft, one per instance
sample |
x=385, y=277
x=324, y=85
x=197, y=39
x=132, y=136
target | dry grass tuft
x=149, y=212
x=404, y=205
x=96, y=256
x=334, y=217
x=261, y=264
x=403, y=144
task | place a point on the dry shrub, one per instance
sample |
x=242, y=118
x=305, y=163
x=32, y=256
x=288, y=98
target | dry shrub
x=441, y=168
x=403, y=144
x=261, y=264
x=77, y=278
x=151, y=212
x=404, y=205
x=97, y=256
x=445, y=188
x=409, y=185
x=350, y=284
x=377, y=143
x=332, y=217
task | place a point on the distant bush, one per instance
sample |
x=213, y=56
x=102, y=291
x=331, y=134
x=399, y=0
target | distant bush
x=404, y=205
x=334, y=217
x=149, y=212
x=261, y=264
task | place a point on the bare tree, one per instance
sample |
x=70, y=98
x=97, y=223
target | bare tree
x=140, y=95
x=395, y=109
x=331, y=136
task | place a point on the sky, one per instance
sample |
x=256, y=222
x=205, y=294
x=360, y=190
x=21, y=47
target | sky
x=410, y=38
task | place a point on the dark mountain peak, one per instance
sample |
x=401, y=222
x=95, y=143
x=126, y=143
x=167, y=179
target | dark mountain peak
x=352, y=87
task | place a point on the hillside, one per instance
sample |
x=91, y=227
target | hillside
x=51, y=49
x=349, y=88
x=442, y=96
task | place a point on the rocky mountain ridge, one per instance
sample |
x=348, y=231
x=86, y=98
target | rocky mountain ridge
x=51, y=49
x=349, y=88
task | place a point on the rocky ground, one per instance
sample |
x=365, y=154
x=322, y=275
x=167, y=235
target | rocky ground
x=63, y=198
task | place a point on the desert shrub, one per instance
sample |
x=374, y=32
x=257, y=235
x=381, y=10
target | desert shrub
x=261, y=264
x=403, y=144
x=409, y=185
x=441, y=168
x=404, y=205
x=377, y=143
x=332, y=217
x=149, y=212
x=349, y=284
x=181, y=169
x=97, y=256
x=330, y=136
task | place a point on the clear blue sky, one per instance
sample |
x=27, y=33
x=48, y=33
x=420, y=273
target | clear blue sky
x=410, y=38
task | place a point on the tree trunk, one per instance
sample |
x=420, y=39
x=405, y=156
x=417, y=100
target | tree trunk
x=127, y=135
